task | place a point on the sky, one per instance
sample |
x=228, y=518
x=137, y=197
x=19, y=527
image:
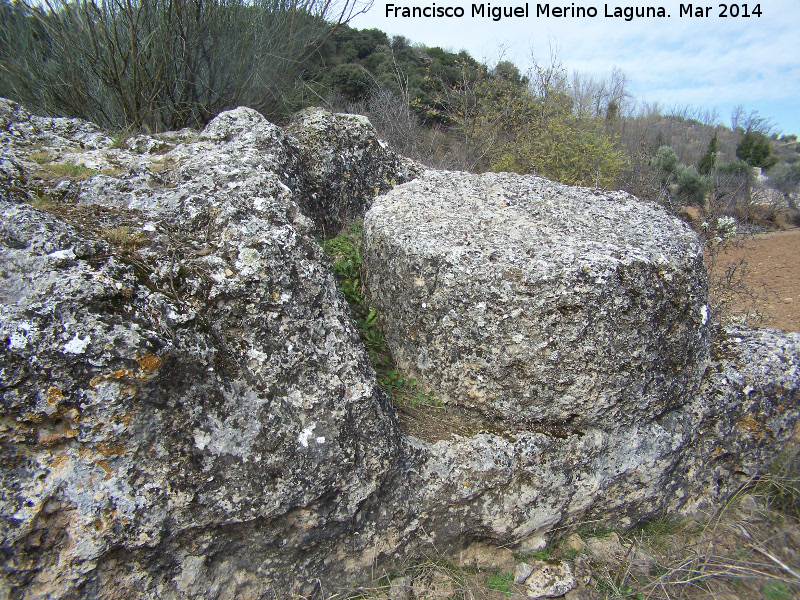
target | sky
x=709, y=62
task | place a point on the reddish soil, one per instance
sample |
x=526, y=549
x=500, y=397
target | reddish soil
x=772, y=274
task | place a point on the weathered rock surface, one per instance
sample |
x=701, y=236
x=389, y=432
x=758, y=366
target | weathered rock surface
x=575, y=323
x=346, y=166
x=517, y=486
x=536, y=302
x=186, y=403
x=549, y=579
x=750, y=403
x=187, y=410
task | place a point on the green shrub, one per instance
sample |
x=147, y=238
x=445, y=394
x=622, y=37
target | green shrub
x=692, y=187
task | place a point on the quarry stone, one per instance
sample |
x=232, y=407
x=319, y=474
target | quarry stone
x=549, y=579
x=538, y=303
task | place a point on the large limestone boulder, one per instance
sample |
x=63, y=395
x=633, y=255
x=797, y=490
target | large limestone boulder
x=537, y=302
x=187, y=409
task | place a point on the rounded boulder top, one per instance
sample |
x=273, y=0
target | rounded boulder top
x=537, y=302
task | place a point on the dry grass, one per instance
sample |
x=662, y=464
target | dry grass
x=749, y=548
x=438, y=578
x=41, y=157
x=125, y=238
x=65, y=170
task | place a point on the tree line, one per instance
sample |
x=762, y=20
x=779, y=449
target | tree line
x=157, y=65
x=161, y=64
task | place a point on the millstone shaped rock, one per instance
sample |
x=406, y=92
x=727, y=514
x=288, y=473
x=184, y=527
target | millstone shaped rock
x=538, y=302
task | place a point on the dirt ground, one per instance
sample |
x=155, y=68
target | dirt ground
x=772, y=273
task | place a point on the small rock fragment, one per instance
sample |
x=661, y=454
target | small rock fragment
x=549, y=580
x=522, y=572
x=575, y=543
x=607, y=549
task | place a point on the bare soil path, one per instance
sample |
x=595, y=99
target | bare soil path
x=773, y=272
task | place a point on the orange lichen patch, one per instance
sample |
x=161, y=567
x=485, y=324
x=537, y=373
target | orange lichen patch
x=129, y=390
x=149, y=362
x=749, y=424
x=124, y=419
x=106, y=466
x=53, y=395
x=32, y=417
x=118, y=374
x=58, y=461
x=112, y=449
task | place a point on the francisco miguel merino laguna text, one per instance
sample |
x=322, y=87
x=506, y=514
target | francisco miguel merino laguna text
x=542, y=10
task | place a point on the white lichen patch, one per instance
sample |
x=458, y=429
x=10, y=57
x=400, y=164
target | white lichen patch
x=304, y=436
x=249, y=261
x=60, y=256
x=19, y=338
x=201, y=439
x=77, y=345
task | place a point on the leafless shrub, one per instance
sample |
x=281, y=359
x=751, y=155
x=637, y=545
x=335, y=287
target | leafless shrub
x=158, y=64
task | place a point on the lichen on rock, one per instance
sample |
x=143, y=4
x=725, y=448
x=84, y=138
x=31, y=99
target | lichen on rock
x=535, y=302
x=187, y=410
x=346, y=166
x=195, y=402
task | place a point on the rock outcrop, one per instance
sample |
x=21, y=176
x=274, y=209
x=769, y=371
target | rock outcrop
x=187, y=410
x=186, y=402
x=345, y=167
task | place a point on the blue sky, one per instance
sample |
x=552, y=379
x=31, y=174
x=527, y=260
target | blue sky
x=708, y=62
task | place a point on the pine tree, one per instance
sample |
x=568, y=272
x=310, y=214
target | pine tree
x=709, y=160
x=756, y=151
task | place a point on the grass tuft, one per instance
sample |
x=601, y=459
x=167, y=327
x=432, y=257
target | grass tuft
x=344, y=251
x=500, y=581
x=69, y=170
x=125, y=238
